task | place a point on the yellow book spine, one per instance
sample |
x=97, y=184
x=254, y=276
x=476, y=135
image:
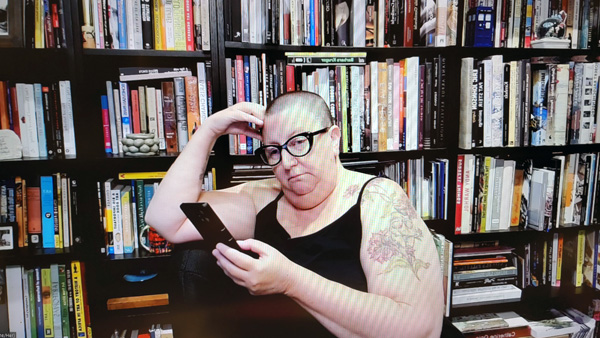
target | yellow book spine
x=150, y=175
x=214, y=177
x=39, y=24
x=559, y=259
x=344, y=112
x=179, y=24
x=382, y=87
x=80, y=326
x=47, y=304
x=580, y=257
x=158, y=16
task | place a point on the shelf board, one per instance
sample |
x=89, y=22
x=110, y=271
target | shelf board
x=136, y=255
x=525, y=232
x=146, y=53
x=527, y=151
x=329, y=49
x=39, y=257
x=34, y=52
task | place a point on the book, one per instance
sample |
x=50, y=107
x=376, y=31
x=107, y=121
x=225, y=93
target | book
x=552, y=323
x=488, y=324
x=147, y=73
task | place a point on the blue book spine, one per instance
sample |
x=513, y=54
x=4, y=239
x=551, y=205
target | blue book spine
x=148, y=194
x=122, y=24
x=125, y=113
x=39, y=117
x=104, y=106
x=442, y=193
x=47, y=205
x=248, y=98
x=312, y=23
x=39, y=310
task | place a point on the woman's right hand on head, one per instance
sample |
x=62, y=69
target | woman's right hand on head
x=236, y=120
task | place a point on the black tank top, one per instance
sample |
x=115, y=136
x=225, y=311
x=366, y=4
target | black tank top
x=332, y=252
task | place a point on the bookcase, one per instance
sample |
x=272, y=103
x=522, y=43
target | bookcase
x=89, y=69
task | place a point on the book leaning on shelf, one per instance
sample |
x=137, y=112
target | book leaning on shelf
x=182, y=25
x=370, y=23
x=44, y=210
x=529, y=102
x=42, y=117
x=553, y=193
x=123, y=203
x=366, y=101
x=45, y=301
x=171, y=103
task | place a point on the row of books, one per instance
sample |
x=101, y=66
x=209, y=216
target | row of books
x=42, y=116
x=44, y=24
x=484, y=273
x=424, y=182
x=359, y=23
x=445, y=249
x=527, y=102
x=155, y=331
x=45, y=301
x=561, y=193
x=146, y=24
x=380, y=106
x=172, y=110
x=568, y=322
x=522, y=23
x=44, y=210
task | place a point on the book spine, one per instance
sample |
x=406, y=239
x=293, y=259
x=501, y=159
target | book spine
x=78, y=303
x=39, y=116
x=64, y=301
x=200, y=92
x=147, y=20
x=205, y=15
x=189, y=25
x=192, y=115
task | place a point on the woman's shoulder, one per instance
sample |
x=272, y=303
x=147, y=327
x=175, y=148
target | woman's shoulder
x=262, y=192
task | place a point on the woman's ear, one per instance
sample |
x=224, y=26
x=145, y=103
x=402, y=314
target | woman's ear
x=336, y=135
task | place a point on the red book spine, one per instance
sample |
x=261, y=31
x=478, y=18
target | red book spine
x=106, y=125
x=135, y=110
x=241, y=96
x=409, y=19
x=189, y=26
x=289, y=77
x=15, y=111
x=459, y=186
x=4, y=111
x=401, y=104
x=509, y=332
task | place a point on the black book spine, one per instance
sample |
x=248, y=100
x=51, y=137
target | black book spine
x=56, y=116
x=349, y=108
x=342, y=32
x=525, y=99
x=147, y=29
x=416, y=23
x=48, y=125
x=427, y=118
x=480, y=89
x=236, y=20
x=366, y=135
x=53, y=11
x=29, y=23
x=506, y=96
x=209, y=94
x=441, y=126
x=227, y=19
x=328, y=23
x=523, y=21
x=63, y=28
x=396, y=28
x=275, y=21
x=105, y=26
x=475, y=214
x=269, y=22
x=435, y=102
x=282, y=80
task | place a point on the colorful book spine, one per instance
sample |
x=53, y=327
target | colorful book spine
x=80, y=320
x=47, y=205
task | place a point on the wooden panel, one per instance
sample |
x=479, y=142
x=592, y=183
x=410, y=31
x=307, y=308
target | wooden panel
x=123, y=303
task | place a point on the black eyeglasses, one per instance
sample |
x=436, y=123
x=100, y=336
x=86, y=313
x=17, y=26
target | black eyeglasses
x=297, y=146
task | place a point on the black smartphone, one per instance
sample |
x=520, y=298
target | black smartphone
x=210, y=226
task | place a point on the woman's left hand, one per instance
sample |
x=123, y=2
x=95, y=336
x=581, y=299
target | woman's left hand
x=269, y=274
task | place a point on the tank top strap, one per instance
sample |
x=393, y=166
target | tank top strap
x=363, y=189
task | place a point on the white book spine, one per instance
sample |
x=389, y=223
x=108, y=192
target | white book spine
x=205, y=15
x=587, y=116
x=119, y=122
x=39, y=120
x=468, y=168
x=374, y=106
x=27, y=120
x=117, y=220
x=361, y=105
x=575, y=33
x=245, y=10
x=412, y=103
x=137, y=24
x=113, y=122
x=359, y=21
x=497, y=101
x=130, y=18
x=554, y=259
x=490, y=183
x=160, y=117
x=151, y=109
x=169, y=24
x=477, y=295
x=396, y=106
x=465, y=134
x=14, y=298
x=97, y=23
x=26, y=308
x=354, y=110
x=512, y=97
x=124, y=104
x=487, y=103
x=381, y=25
x=67, y=118
x=497, y=29
x=324, y=84
x=55, y=291
x=508, y=184
x=253, y=21
x=441, y=17
x=202, y=94
x=390, y=104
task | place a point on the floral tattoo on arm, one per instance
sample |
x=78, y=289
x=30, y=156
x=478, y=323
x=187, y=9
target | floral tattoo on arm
x=394, y=246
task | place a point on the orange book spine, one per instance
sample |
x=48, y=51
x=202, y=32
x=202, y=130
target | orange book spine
x=4, y=118
x=34, y=217
x=193, y=109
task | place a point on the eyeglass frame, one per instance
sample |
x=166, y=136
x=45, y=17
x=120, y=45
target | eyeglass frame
x=309, y=136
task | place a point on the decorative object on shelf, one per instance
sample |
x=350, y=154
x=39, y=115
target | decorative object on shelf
x=87, y=30
x=140, y=144
x=10, y=145
x=552, y=32
x=154, y=242
x=7, y=236
x=11, y=29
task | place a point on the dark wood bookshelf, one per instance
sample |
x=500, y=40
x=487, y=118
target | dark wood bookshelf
x=146, y=53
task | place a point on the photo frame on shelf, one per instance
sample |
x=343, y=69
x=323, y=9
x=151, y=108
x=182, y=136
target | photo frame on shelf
x=11, y=23
x=7, y=237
